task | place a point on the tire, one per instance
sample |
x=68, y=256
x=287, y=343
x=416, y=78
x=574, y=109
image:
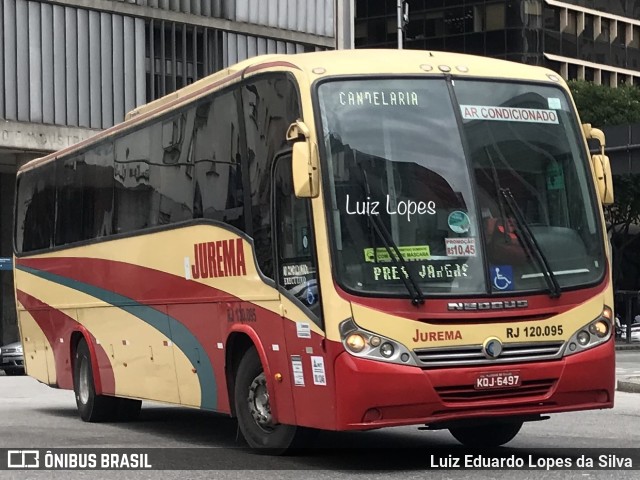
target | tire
x=91, y=407
x=486, y=435
x=254, y=413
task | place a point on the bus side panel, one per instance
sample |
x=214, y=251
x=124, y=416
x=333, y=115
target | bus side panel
x=205, y=322
x=313, y=385
x=139, y=354
x=38, y=353
x=57, y=327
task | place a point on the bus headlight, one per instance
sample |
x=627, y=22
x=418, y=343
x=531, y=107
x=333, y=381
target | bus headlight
x=355, y=342
x=583, y=338
x=599, y=328
x=386, y=350
x=594, y=333
x=365, y=344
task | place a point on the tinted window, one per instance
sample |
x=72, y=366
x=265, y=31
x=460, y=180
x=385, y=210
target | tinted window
x=298, y=273
x=133, y=190
x=96, y=175
x=153, y=174
x=172, y=179
x=270, y=106
x=69, y=201
x=218, y=191
x=35, y=209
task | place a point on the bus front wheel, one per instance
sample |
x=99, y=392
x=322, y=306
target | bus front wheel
x=486, y=435
x=253, y=409
x=91, y=407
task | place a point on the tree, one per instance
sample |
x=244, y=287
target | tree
x=623, y=218
x=601, y=105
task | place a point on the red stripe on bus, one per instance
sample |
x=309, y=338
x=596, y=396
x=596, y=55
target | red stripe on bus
x=202, y=309
x=141, y=284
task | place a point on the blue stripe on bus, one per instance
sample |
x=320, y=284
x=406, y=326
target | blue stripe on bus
x=173, y=329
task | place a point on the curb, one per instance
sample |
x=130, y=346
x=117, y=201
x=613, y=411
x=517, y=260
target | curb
x=629, y=385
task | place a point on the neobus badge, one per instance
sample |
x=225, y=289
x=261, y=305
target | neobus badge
x=506, y=305
x=223, y=258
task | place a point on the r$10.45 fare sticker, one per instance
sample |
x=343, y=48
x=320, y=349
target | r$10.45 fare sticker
x=460, y=247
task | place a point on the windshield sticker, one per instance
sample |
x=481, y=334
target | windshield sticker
x=296, y=274
x=554, y=103
x=403, y=208
x=508, y=114
x=409, y=254
x=460, y=247
x=555, y=177
x=502, y=277
x=317, y=369
x=298, y=372
x=459, y=222
x=378, y=98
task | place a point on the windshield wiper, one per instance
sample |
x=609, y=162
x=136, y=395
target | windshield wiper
x=417, y=297
x=530, y=243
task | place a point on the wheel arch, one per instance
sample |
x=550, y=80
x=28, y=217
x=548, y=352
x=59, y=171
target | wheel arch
x=77, y=335
x=238, y=343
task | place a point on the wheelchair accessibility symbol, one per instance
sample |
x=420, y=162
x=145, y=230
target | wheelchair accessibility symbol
x=502, y=277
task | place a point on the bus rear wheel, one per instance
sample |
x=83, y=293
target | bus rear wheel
x=254, y=411
x=486, y=435
x=91, y=407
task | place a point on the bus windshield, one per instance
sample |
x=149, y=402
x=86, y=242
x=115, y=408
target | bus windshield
x=482, y=187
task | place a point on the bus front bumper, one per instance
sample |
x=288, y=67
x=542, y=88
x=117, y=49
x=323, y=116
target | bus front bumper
x=376, y=394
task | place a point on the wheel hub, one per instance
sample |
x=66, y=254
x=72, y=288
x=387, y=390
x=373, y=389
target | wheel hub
x=259, y=403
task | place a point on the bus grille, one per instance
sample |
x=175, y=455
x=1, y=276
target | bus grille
x=467, y=393
x=472, y=354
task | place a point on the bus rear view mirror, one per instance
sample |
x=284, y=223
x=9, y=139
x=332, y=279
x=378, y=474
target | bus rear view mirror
x=306, y=180
x=601, y=165
x=305, y=170
x=604, y=181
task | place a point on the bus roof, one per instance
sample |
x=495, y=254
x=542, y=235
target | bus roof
x=366, y=62
x=329, y=63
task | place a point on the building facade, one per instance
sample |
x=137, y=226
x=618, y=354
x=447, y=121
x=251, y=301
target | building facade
x=70, y=68
x=596, y=40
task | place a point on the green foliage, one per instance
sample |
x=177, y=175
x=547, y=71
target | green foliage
x=601, y=105
x=625, y=212
x=623, y=218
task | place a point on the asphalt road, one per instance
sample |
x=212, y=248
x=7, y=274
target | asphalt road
x=627, y=363
x=35, y=416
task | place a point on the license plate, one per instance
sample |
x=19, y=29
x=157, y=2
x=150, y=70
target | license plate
x=488, y=381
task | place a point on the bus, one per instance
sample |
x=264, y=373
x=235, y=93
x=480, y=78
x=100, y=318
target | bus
x=328, y=241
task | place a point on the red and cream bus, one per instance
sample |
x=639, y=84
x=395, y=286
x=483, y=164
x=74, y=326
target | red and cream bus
x=328, y=241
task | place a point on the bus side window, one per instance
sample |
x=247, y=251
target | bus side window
x=218, y=192
x=36, y=209
x=297, y=266
x=270, y=104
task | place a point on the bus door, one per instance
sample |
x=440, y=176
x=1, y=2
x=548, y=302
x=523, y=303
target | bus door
x=297, y=278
